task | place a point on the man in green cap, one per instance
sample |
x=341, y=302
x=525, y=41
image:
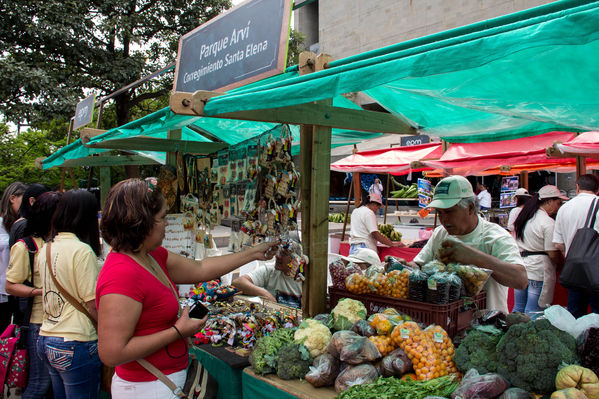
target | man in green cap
x=465, y=237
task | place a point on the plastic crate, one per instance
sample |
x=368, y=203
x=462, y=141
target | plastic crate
x=453, y=317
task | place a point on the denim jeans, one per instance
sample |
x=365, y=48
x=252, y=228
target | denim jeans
x=527, y=300
x=353, y=248
x=75, y=367
x=38, y=381
x=578, y=302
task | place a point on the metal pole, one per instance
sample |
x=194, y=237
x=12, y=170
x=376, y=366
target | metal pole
x=351, y=186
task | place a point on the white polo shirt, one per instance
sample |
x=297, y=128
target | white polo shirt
x=538, y=236
x=484, y=198
x=363, y=222
x=571, y=217
x=489, y=238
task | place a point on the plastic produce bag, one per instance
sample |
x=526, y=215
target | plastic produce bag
x=357, y=283
x=417, y=287
x=363, y=328
x=477, y=386
x=352, y=348
x=399, y=282
x=384, y=323
x=339, y=272
x=473, y=278
x=395, y=364
x=324, y=371
x=355, y=375
x=437, y=288
x=455, y=287
x=379, y=283
x=562, y=319
x=515, y=393
x=373, y=270
x=433, y=267
x=392, y=263
x=588, y=349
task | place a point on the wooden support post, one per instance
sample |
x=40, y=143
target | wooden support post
x=315, y=163
x=581, y=166
x=171, y=157
x=105, y=184
x=351, y=184
x=524, y=179
x=357, y=189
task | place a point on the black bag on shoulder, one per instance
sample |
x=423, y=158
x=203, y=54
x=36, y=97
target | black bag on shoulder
x=581, y=268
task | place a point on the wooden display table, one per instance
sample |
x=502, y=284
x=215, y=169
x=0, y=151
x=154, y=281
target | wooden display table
x=270, y=386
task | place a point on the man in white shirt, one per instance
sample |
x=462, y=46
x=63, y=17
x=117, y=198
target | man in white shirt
x=466, y=238
x=483, y=196
x=571, y=217
x=364, y=230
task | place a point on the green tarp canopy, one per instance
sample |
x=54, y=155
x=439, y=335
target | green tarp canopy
x=518, y=75
x=157, y=125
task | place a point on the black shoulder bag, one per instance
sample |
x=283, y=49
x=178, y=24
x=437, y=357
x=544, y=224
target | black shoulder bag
x=581, y=268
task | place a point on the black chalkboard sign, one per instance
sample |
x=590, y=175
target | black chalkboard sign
x=245, y=44
x=84, y=112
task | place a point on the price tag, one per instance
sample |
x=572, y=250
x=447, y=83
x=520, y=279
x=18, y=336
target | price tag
x=438, y=337
x=404, y=333
x=432, y=284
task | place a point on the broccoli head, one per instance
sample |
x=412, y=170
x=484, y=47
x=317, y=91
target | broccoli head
x=264, y=355
x=529, y=355
x=293, y=361
x=477, y=351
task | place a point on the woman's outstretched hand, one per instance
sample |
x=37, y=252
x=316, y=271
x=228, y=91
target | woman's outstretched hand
x=265, y=251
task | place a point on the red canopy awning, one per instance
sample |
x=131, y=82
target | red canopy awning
x=487, y=158
x=395, y=161
x=584, y=144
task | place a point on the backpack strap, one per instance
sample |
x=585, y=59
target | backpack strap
x=591, y=216
x=32, y=248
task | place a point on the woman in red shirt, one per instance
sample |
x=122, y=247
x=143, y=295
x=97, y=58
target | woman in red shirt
x=138, y=310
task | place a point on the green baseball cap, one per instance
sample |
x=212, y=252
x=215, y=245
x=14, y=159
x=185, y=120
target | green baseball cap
x=450, y=191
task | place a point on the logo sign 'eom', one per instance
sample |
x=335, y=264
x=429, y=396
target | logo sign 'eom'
x=84, y=112
x=242, y=45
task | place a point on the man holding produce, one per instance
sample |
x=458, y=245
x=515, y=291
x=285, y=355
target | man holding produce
x=465, y=237
x=364, y=232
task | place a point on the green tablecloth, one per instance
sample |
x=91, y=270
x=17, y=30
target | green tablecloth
x=228, y=378
x=253, y=388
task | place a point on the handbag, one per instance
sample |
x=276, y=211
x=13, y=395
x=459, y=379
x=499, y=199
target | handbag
x=581, y=268
x=107, y=371
x=13, y=359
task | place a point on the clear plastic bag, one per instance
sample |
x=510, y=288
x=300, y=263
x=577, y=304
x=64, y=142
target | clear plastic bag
x=352, y=348
x=324, y=371
x=477, y=386
x=417, y=287
x=515, y=393
x=339, y=272
x=355, y=375
x=437, y=288
x=395, y=364
x=473, y=277
x=399, y=282
x=433, y=266
x=455, y=287
x=358, y=284
x=363, y=328
x=392, y=263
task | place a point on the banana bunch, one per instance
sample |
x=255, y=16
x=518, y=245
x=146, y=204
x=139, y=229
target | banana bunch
x=404, y=191
x=338, y=217
x=388, y=231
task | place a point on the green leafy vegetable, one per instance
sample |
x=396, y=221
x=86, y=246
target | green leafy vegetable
x=392, y=387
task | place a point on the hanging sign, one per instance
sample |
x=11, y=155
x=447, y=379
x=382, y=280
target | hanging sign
x=407, y=141
x=84, y=112
x=243, y=45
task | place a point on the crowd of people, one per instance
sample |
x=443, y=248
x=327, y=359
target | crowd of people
x=77, y=315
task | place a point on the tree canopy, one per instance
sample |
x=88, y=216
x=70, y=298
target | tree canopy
x=53, y=50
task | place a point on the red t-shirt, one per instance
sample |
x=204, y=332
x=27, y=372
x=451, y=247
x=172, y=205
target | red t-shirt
x=122, y=275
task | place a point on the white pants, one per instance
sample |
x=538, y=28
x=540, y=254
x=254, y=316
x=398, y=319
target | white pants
x=121, y=389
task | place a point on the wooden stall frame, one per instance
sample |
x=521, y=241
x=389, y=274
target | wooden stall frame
x=315, y=120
